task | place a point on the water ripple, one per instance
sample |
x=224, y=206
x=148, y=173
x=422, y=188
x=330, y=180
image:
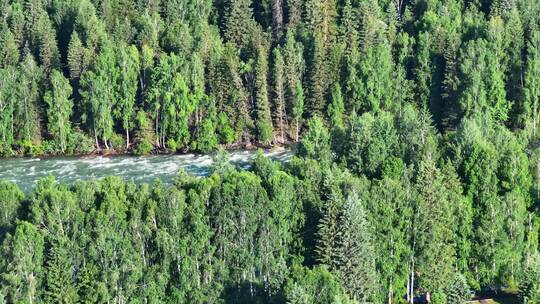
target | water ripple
x=26, y=171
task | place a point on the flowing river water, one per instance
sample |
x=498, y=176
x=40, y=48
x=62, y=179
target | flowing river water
x=26, y=171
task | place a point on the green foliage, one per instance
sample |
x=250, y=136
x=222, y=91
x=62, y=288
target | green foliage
x=375, y=76
x=316, y=285
x=128, y=68
x=370, y=140
x=529, y=290
x=172, y=102
x=391, y=231
x=433, y=230
x=143, y=134
x=264, y=119
x=99, y=95
x=298, y=106
x=316, y=98
x=225, y=130
x=22, y=269
x=458, y=292
x=10, y=204
x=356, y=253
x=60, y=108
x=316, y=142
x=9, y=55
x=336, y=108
x=531, y=101
x=429, y=108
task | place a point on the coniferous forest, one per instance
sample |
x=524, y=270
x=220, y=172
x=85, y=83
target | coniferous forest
x=417, y=166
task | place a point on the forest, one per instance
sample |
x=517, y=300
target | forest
x=414, y=124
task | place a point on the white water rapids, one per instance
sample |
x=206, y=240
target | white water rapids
x=26, y=171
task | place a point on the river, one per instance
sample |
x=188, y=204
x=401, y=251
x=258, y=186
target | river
x=25, y=171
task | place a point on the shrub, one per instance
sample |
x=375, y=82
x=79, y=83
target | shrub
x=118, y=141
x=79, y=143
x=172, y=145
x=144, y=147
x=27, y=147
x=225, y=130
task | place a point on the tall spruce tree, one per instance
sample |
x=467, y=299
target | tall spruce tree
x=280, y=113
x=262, y=104
x=355, y=253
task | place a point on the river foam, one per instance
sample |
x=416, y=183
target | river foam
x=25, y=171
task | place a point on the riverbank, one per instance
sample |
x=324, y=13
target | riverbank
x=157, y=152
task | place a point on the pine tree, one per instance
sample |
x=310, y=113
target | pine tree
x=280, y=115
x=147, y=55
x=9, y=54
x=459, y=291
x=75, y=57
x=227, y=87
x=355, y=253
x=293, y=73
x=376, y=71
x=514, y=42
x=239, y=23
x=320, y=19
x=423, y=69
x=49, y=55
x=298, y=107
x=433, y=239
x=352, y=82
x=316, y=102
x=336, y=108
x=295, y=10
x=349, y=27
x=263, y=113
x=17, y=23
x=463, y=213
x=60, y=285
x=277, y=17
x=496, y=67
x=327, y=233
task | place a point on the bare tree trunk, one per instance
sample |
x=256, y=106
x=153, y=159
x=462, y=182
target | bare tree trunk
x=157, y=130
x=96, y=138
x=281, y=128
x=297, y=128
x=127, y=138
x=412, y=283
x=408, y=289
